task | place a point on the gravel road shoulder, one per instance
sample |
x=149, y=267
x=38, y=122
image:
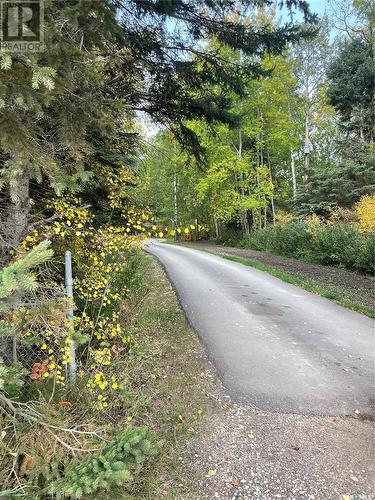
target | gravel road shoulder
x=242, y=452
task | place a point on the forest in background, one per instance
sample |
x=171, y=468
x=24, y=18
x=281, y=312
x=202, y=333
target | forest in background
x=299, y=159
x=258, y=124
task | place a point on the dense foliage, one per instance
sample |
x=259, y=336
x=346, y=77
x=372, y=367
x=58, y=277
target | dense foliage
x=111, y=466
x=254, y=128
x=302, y=142
x=329, y=244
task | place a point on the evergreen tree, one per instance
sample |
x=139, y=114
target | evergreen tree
x=340, y=184
x=351, y=88
x=18, y=277
x=55, y=109
x=163, y=38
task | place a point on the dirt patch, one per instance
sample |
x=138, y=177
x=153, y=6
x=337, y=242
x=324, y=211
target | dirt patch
x=352, y=286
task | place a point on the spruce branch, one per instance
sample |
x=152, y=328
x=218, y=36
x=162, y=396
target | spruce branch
x=17, y=277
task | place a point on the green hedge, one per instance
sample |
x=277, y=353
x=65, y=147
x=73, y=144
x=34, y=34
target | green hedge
x=335, y=245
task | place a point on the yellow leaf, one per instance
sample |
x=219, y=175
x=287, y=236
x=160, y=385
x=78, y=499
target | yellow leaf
x=251, y=435
x=211, y=473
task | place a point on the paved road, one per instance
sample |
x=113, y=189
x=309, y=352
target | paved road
x=275, y=345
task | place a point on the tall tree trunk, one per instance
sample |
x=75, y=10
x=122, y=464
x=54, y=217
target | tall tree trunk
x=250, y=218
x=217, y=228
x=245, y=223
x=272, y=198
x=306, y=146
x=260, y=163
x=258, y=210
x=243, y=215
x=16, y=225
x=273, y=211
x=175, y=201
x=293, y=169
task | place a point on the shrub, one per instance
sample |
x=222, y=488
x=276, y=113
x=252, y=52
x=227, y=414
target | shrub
x=11, y=378
x=343, y=215
x=336, y=245
x=112, y=466
x=329, y=244
x=366, y=255
x=365, y=210
x=291, y=240
x=230, y=236
x=283, y=218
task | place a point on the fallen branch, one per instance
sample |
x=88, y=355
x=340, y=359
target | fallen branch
x=71, y=448
x=8, y=403
x=24, y=410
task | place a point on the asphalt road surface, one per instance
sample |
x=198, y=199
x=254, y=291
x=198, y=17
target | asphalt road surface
x=274, y=345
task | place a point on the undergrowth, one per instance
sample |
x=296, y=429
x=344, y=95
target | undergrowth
x=128, y=450
x=331, y=244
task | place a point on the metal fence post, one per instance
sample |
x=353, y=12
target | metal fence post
x=72, y=366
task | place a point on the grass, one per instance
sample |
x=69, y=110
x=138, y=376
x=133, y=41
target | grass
x=306, y=285
x=169, y=388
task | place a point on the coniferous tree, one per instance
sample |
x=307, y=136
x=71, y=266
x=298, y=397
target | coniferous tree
x=352, y=88
x=54, y=109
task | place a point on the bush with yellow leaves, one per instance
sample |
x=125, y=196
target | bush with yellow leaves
x=283, y=218
x=365, y=210
x=103, y=257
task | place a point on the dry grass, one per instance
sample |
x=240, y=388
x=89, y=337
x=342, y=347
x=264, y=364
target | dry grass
x=172, y=392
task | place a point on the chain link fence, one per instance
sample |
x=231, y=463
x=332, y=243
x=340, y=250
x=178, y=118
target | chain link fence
x=41, y=331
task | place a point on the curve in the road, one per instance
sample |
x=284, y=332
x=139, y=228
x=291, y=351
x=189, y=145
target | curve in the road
x=275, y=345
